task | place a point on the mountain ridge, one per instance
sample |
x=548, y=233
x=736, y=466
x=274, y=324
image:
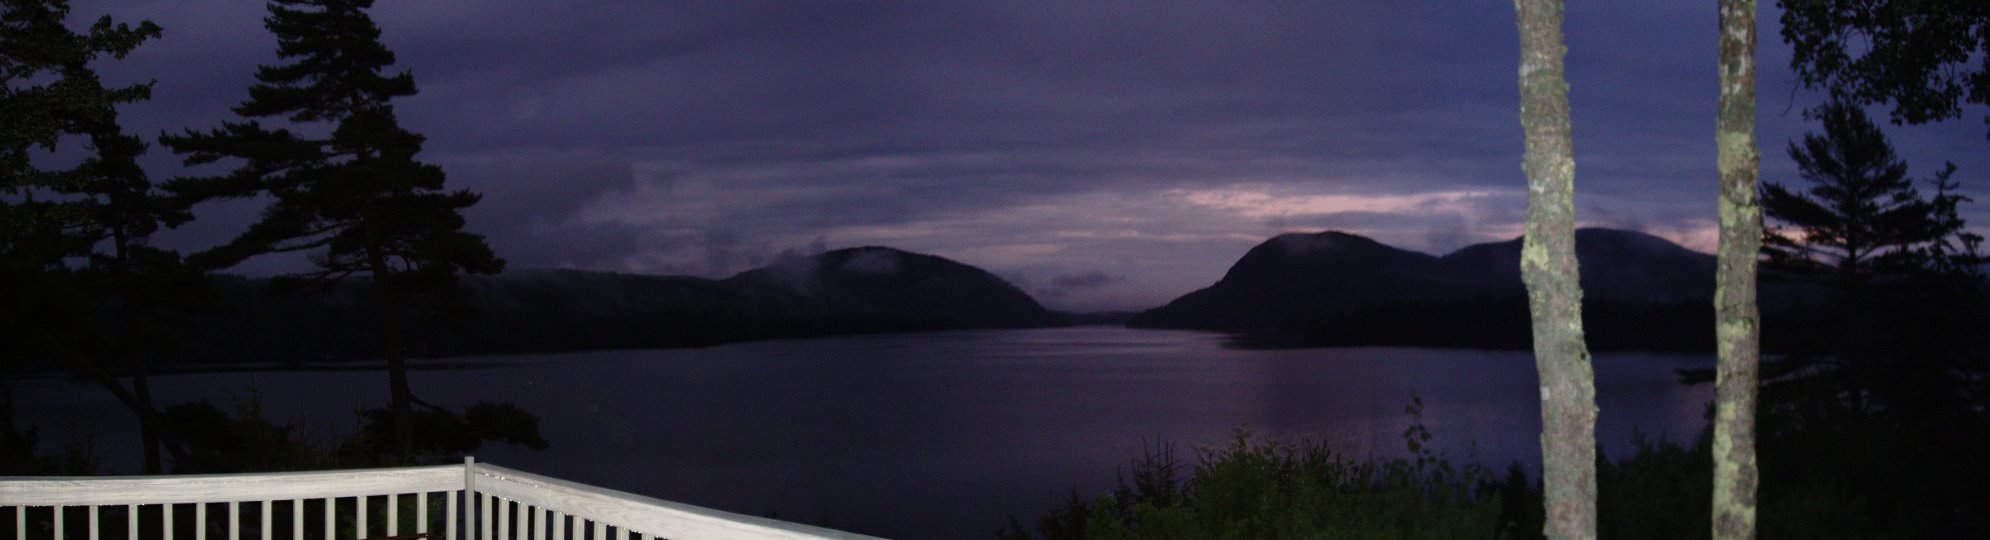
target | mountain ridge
x=1336, y=288
x=842, y=292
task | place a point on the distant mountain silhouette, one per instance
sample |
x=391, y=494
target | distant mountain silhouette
x=912, y=289
x=849, y=291
x=1334, y=288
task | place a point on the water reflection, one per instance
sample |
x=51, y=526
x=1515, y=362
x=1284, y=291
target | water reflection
x=938, y=435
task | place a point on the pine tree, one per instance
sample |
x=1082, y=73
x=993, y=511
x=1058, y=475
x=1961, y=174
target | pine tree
x=1861, y=216
x=354, y=198
x=50, y=311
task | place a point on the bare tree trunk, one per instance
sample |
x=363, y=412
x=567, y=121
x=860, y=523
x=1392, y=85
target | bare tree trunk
x=1738, y=323
x=1554, y=293
x=399, y=397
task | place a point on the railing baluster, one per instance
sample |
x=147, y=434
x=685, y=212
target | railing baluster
x=199, y=521
x=526, y=528
x=58, y=523
x=393, y=514
x=359, y=529
x=600, y=531
x=269, y=530
x=504, y=519
x=21, y=522
x=421, y=513
x=234, y=520
x=484, y=510
x=297, y=519
x=331, y=511
x=93, y=522
x=130, y=522
x=449, y=516
x=559, y=526
x=166, y=520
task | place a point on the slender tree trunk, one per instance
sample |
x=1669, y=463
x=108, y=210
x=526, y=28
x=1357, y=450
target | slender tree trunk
x=147, y=416
x=1548, y=265
x=148, y=432
x=397, y=364
x=1738, y=323
x=141, y=387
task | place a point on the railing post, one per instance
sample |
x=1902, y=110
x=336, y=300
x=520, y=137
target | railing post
x=469, y=497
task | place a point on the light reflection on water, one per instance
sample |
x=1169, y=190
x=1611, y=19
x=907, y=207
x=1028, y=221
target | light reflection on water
x=939, y=435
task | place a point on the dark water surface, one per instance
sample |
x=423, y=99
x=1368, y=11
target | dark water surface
x=940, y=435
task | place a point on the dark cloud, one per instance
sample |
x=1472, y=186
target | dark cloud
x=1035, y=139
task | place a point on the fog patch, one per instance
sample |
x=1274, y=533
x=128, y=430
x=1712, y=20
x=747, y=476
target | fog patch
x=873, y=262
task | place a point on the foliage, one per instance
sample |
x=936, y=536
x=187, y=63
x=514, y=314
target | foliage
x=20, y=457
x=48, y=92
x=1252, y=488
x=81, y=283
x=345, y=187
x=1881, y=392
x=1861, y=217
x=1915, y=54
x=355, y=197
x=243, y=438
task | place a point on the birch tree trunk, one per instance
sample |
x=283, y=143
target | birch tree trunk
x=1737, y=326
x=1548, y=265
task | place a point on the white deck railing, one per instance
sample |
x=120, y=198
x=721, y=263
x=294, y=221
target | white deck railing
x=471, y=501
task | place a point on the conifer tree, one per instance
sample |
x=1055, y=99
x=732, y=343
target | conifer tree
x=341, y=175
x=1860, y=217
x=62, y=215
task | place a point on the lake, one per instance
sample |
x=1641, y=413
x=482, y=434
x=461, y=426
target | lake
x=935, y=435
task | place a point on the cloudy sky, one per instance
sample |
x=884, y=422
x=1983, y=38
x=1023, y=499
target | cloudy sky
x=1100, y=154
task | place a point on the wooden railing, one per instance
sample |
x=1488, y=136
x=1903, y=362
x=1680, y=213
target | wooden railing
x=471, y=501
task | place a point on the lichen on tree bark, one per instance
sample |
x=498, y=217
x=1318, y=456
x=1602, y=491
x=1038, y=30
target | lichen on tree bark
x=1548, y=266
x=1738, y=323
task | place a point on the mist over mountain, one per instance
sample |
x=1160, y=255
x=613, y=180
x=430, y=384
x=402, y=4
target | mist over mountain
x=1334, y=288
x=848, y=291
x=882, y=282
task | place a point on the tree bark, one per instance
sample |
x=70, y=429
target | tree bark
x=1737, y=321
x=1554, y=293
x=399, y=396
x=141, y=387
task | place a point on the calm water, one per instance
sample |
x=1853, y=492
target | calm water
x=940, y=435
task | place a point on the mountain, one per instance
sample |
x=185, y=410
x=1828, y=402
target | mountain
x=851, y=291
x=1334, y=288
x=1617, y=265
x=912, y=289
x=1293, y=273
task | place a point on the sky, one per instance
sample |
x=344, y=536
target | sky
x=1101, y=155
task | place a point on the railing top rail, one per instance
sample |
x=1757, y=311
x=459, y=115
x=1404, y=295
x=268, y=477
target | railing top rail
x=644, y=514
x=114, y=490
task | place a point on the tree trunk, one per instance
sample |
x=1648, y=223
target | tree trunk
x=1548, y=265
x=147, y=416
x=400, y=399
x=148, y=431
x=1738, y=323
x=141, y=387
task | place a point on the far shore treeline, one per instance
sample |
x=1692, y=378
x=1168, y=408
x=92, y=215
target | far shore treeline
x=1294, y=290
